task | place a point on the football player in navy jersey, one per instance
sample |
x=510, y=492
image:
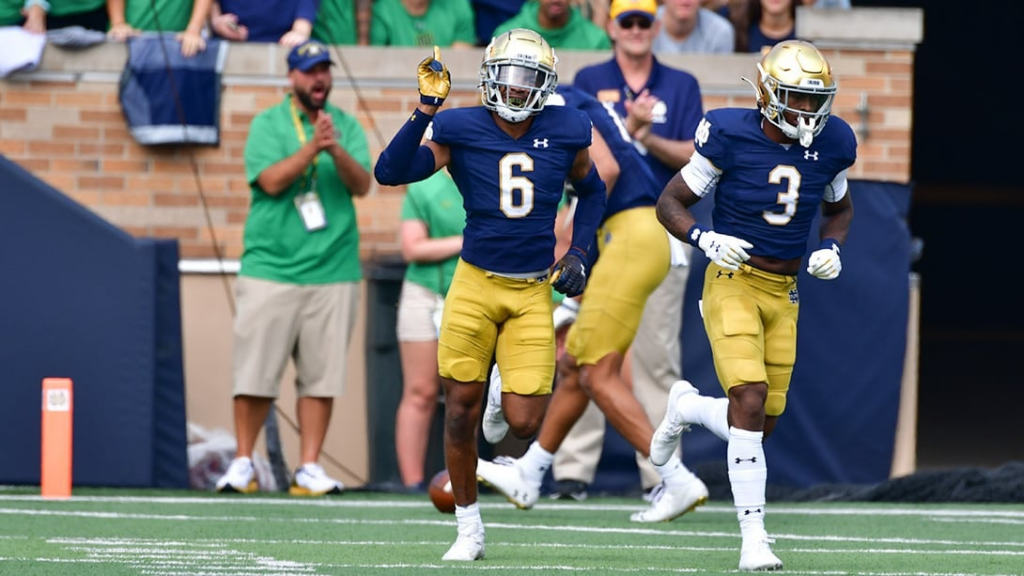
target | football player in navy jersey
x=510, y=159
x=634, y=259
x=772, y=169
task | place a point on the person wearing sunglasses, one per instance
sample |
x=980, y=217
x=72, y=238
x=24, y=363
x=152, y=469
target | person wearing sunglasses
x=660, y=107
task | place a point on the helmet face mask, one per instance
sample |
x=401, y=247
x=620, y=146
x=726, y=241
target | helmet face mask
x=517, y=74
x=795, y=89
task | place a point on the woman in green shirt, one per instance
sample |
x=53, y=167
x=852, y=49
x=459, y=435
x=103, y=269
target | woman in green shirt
x=432, y=222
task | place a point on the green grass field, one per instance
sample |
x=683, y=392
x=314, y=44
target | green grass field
x=113, y=532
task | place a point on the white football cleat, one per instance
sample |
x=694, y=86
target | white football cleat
x=756, y=554
x=240, y=477
x=494, y=424
x=468, y=546
x=311, y=480
x=666, y=437
x=505, y=476
x=671, y=502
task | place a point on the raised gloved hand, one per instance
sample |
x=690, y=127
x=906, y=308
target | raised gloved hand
x=565, y=313
x=722, y=249
x=824, y=262
x=570, y=274
x=434, y=79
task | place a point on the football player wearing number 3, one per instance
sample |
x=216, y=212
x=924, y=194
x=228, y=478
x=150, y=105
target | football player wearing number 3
x=510, y=159
x=771, y=169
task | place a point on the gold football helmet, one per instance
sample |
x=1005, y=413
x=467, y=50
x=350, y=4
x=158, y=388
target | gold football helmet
x=791, y=70
x=517, y=74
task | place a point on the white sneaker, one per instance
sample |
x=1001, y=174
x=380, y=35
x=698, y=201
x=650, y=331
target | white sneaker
x=756, y=554
x=671, y=502
x=240, y=477
x=494, y=424
x=666, y=436
x=505, y=476
x=468, y=546
x=311, y=480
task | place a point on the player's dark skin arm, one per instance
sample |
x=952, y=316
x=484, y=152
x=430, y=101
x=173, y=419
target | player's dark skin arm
x=673, y=208
x=836, y=218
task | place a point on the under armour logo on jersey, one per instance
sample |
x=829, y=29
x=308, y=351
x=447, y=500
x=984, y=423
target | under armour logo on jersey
x=794, y=297
x=540, y=142
x=724, y=273
x=752, y=460
x=808, y=155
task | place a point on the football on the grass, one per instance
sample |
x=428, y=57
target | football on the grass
x=441, y=492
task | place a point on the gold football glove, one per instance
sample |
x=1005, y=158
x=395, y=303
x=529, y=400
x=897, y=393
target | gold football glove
x=434, y=79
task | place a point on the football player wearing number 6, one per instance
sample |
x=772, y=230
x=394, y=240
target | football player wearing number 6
x=636, y=255
x=771, y=170
x=510, y=159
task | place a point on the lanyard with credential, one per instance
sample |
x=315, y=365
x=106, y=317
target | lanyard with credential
x=300, y=131
x=314, y=217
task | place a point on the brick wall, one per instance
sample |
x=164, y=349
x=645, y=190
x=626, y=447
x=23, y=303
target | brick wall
x=63, y=123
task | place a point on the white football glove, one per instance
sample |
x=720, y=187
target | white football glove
x=824, y=262
x=565, y=313
x=722, y=249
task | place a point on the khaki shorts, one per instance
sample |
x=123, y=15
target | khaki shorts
x=310, y=324
x=416, y=307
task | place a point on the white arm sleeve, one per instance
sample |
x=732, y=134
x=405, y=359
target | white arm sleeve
x=701, y=175
x=836, y=190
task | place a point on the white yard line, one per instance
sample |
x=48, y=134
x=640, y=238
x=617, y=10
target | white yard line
x=869, y=509
x=1018, y=545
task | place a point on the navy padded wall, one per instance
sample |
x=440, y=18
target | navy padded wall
x=81, y=301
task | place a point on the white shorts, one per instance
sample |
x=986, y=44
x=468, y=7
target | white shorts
x=416, y=308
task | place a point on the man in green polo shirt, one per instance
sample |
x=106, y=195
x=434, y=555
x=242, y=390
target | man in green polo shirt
x=560, y=23
x=298, y=289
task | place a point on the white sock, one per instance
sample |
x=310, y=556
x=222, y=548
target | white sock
x=711, y=413
x=468, y=516
x=748, y=475
x=535, y=463
x=674, y=472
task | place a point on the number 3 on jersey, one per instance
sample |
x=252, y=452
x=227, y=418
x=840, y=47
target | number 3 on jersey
x=779, y=175
x=510, y=183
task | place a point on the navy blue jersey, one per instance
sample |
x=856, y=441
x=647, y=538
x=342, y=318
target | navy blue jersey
x=769, y=193
x=636, y=185
x=511, y=188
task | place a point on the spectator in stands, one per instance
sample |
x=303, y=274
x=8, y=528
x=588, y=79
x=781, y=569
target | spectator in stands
x=764, y=24
x=432, y=222
x=188, y=17
x=286, y=22
x=298, y=289
x=30, y=14
x=661, y=107
x=38, y=16
x=560, y=23
x=343, y=22
x=687, y=27
x=492, y=13
x=422, y=23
